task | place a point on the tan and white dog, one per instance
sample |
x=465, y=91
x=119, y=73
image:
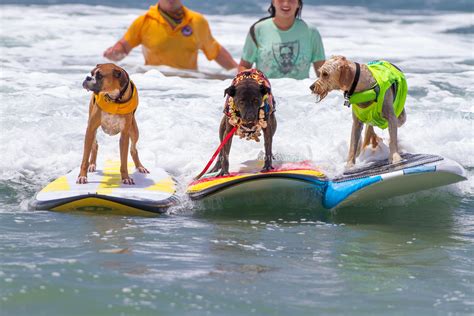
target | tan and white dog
x=377, y=92
x=112, y=107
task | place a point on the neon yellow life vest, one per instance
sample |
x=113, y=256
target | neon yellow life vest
x=109, y=106
x=385, y=74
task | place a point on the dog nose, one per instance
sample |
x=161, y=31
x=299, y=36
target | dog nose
x=312, y=87
x=88, y=78
x=250, y=117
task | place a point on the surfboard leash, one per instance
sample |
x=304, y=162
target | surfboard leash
x=224, y=141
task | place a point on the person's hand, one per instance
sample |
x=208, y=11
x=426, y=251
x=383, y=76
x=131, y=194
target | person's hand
x=116, y=52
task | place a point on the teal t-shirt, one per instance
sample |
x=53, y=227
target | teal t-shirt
x=284, y=54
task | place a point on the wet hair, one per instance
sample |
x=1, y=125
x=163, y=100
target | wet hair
x=272, y=12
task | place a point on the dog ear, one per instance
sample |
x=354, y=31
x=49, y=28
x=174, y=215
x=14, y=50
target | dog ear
x=122, y=76
x=95, y=68
x=345, y=76
x=117, y=73
x=264, y=89
x=230, y=91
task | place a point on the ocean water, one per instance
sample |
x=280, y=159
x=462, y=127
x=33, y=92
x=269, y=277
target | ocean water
x=403, y=256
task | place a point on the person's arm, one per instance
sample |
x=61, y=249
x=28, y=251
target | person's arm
x=224, y=58
x=318, y=65
x=211, y=48
x=130, y=40
x=244, y=65
x=319, y=56
x=118, y=51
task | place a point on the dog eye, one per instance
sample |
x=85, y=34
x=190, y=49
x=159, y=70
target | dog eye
x=98, y=76
x=325, y=74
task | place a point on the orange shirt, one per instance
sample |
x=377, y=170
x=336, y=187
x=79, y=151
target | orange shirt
x=178, y=48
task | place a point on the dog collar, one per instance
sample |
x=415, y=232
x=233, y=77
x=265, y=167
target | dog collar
x=348, y=94
x=108, y=105
x=124, y=89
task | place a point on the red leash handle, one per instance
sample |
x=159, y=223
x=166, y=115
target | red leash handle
x=226, y=139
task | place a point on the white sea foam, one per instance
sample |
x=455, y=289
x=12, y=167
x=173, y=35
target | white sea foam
x=48, y=50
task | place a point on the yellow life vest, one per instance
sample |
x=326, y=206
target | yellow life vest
x=386, y=75
x=110, y=106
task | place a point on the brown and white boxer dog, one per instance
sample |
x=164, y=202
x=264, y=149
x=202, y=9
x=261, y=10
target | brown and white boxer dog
x=250, y=106
x=112, y=107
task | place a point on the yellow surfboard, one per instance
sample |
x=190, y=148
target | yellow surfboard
x=105, y=192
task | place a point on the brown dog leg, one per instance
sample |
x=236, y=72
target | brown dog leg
x=355, y=139
x=93, y=125
x=222, y=128
x=389, y=115
x=224, y=154
x=124, y=143
x=268, y=133
x=93, y=158
x=402, y=118
x=370, y=138
x=134, y=134
x=393, y=145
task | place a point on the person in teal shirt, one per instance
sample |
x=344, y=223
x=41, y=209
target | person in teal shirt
x=283, y=45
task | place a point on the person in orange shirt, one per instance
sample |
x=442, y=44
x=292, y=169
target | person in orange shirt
x=171, y=35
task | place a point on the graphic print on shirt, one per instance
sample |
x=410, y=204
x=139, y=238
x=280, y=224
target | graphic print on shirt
x=286, y=54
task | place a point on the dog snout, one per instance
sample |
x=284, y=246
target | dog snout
x=89, y=83
x=250, y=116
x=86, y=83
x=312, y=87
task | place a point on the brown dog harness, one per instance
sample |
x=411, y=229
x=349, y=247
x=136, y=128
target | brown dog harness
x=266, y=108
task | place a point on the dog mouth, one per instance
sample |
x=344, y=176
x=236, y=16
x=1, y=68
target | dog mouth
x=86, y=86
x=319, y=92
x=89, y=86
x=248, y=124
x=320, y=96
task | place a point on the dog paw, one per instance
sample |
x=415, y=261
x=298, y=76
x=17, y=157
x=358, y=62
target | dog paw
x=92, y=167
x=267, y=168
x=81, y=180
x=396, y=158
x=128, y=181
x=349, y=165
x=143, y=170
x=223, y=173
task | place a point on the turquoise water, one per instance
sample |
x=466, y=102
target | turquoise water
x=414, y=259
x=411, y=255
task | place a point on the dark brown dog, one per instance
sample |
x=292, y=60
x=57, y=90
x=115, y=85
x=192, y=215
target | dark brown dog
x=112, y=106
x=249, y=105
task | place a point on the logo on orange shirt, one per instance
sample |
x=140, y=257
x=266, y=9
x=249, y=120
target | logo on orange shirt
x=187, y=30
